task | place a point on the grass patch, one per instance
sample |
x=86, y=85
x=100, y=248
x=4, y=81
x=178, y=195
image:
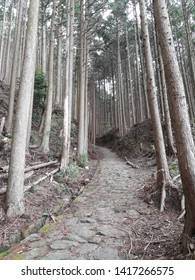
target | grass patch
x=82, y=160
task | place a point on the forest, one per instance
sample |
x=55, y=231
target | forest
x=80, y=82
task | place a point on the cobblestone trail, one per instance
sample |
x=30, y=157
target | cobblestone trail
x=99, y=223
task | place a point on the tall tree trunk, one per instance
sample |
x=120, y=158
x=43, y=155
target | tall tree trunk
x=43, y=42
x=82, y=82
x=179, y=116
x=8, y=125
x=171, y=151
x=2, y=39
x=8, y=46
x=190, y=52
x=163, y=177
x=142, y=91
x=68, y=86
x=15, y=189
x=131, y=93
x=59, y=67
x=123, y=126
x=48, y=112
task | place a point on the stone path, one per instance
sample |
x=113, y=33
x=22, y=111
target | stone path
x=98, y=224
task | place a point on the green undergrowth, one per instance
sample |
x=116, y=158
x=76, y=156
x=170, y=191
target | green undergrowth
x=82, y=160
x=173, y=169
x=3, y=254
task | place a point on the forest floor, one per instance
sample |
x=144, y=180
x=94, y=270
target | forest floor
x=115, y=216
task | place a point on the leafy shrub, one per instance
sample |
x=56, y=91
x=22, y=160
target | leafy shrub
x=82, y=160
x=72, y=170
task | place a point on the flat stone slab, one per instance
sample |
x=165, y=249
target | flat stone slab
x=57, y=255
x=133, y=213
x=86, y=249
x=63, y=244
x=106, y=253
x=36, y=253
x=74, y=237
x=32, y=237
x=38, y=244
x=110, y=231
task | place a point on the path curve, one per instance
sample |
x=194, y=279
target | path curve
x=99, y=223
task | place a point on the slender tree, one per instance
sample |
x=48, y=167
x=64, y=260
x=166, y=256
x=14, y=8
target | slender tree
x=163, y=176
x=68, y=85
x=179, y=116
x=82, y=81
x=15, y=63
x=48, y=112
x=15, y=190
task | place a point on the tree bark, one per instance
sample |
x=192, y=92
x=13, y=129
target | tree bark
x=8, y=125
x=82, y=82
x=68, y=86
x=179, y=116
x=48, y=112
x=15, y=191
x=163, y=177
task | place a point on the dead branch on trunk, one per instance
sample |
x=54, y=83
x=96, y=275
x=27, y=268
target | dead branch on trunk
x=131, y=164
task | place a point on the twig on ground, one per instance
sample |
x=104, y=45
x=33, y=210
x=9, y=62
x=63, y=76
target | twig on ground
x=6, y=229
x=148, y=243
x=131, y=164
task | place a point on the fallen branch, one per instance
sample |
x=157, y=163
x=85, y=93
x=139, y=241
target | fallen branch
x=182, y=214
x=131, y=164
x=34, y=167
x=2, y=125
x=26, y=188
x=148, y=243
x=28, y=174
x=176, y=177
x=163, y=197
x=183, y=209
x=29, y=168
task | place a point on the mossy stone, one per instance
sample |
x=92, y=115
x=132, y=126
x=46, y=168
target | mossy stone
x=20, y=256
x=3, y=254
x=46, y=228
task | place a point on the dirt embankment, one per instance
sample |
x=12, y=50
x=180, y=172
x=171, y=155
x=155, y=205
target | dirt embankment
x=137, y=142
